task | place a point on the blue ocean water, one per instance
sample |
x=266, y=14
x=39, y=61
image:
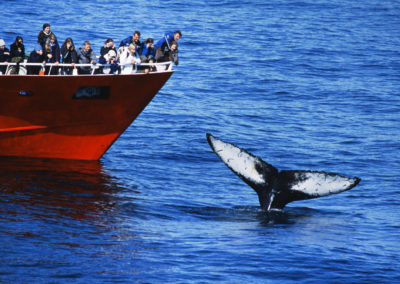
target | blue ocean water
x=304, y=84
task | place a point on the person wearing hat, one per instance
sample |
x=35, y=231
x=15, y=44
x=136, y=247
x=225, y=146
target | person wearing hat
x=44, y=35
x=108, y=55
x=110, y=58
x=36, y=56
x=4, y=56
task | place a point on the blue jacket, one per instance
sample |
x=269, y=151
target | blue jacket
x=128, y=41
x=165, y=41
x=148, y=52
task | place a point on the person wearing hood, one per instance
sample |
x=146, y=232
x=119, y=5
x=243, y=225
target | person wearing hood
x=44, y=35
x=36, y=56
x=17, y=54
x=86, y=56
x=17, y=50
x=4, y=55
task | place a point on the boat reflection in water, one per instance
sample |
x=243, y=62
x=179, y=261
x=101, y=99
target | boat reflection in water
x=50, y=188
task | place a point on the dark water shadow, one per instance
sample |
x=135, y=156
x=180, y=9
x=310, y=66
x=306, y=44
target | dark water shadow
x=51, y=187
x=288, y=216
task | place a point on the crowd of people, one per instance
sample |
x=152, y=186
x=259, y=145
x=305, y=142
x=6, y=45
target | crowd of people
x=126, y=59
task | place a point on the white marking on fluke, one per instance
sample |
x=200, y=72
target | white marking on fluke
x=320, y=183
x=275, y=189
x=237, y=160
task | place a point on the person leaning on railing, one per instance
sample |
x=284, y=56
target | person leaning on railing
x=52, y=54
x=86, y=56
x=168, y=54
x=69, y=55
x=167, y=39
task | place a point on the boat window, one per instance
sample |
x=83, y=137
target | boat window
x=25, y=93
x=92, y=93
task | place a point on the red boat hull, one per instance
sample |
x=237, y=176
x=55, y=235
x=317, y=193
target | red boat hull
x=48, y=117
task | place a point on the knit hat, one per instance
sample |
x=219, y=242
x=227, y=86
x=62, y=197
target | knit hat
x=38, y=47
x=2, y=42
x=112, y=53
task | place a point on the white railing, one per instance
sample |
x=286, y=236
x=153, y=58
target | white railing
x=161, y=66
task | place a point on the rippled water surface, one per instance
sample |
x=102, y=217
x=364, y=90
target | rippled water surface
x=302, y=84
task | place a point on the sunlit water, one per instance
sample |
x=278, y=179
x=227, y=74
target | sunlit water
x=302, y=84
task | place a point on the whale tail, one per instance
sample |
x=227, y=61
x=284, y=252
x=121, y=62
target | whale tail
x=275, y=189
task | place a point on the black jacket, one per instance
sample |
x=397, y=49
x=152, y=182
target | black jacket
x=69, y=55
x=4, y=57
x=34, y=57
x=17, y=50
x=55, y=52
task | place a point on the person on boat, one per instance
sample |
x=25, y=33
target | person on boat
x=68, y=55
x=17, y=50
x=129, y=60
x=44, y=35
x=169, y=54
x=36, y=56
x=111, y=59
x=148, y=51
x=17, y=54
x=106, y=54
x=52, y=54
x=135, y=39
x=147, y=55
x=4, y=56
x=108, y=45
x=86, y=55
x=166, y=40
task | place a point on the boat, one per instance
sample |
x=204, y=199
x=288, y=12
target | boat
x=71, y=117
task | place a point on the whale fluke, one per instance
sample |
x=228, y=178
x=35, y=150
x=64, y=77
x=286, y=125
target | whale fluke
x=276, y=188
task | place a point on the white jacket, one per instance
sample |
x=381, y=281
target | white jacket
x=125, y=61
